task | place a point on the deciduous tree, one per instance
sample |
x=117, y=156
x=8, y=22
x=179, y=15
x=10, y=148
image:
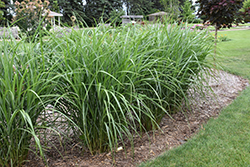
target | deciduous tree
x=171, y=7
x=94, y=10
x=245, y=11
x=2, y=5
x=54, y=6
x=30, y=15
x=6, y=12
x=246, y=5
x=220, y=13
x=187, y=11
x=139, y=7
x=71, y=8
x=157, y=5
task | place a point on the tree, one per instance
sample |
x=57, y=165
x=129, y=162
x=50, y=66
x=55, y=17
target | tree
x=220, y=13
x=139, y=7
x=54, y=6
x=71, y=8
x=115, y=17
x=157, y=5
x=143, y=7
x=29, y=16
x=171, y=7
x=187, y=11
x=2, y=5
x=94, y=10
x=246, y=5
x=245, y=11
x=6, y=11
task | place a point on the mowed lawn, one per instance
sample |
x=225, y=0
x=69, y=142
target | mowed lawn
x=224, y=141
x=236, y=52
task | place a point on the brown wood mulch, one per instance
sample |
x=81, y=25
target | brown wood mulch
x=174, y=132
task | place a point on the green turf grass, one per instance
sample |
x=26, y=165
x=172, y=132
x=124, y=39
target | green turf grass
x=224, y=141
x=236, y=52
x=240, y=26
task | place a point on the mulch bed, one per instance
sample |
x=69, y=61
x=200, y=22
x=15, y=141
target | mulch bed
x=174, y=131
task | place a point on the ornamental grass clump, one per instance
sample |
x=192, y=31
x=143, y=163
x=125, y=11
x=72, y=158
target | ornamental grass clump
x=24, y=82
x=114, y=83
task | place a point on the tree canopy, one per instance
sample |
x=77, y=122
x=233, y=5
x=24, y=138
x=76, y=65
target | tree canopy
x=246, y=5
x=139, y=7
x=70, y=8
x=92, y=10
x=2, y=5
x=5, y=13
x=187, y=12
x=221, y=13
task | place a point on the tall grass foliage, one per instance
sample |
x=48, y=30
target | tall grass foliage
x=25, y=79
x=114, y=83
x=110, y=83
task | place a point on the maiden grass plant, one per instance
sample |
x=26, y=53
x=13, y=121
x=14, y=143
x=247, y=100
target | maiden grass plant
x=114, y=83
x=110, y=83
x=24, y=81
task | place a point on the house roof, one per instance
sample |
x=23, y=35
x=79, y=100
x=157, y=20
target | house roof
x=132, y=16
x=158, y=14
x=53, y=14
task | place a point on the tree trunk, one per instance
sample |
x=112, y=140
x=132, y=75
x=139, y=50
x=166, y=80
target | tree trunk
x=215, y=43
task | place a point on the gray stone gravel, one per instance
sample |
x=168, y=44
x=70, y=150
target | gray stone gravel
x=8, y=32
